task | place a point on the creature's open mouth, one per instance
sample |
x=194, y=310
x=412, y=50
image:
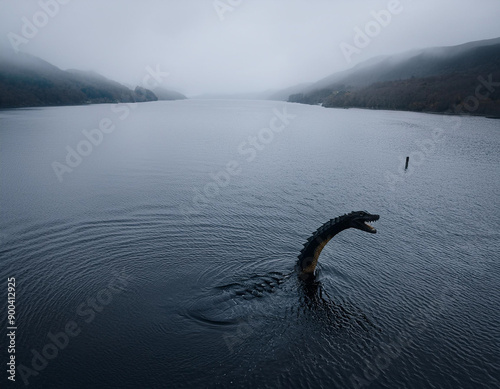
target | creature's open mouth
x=368, y=227
x=371, y=228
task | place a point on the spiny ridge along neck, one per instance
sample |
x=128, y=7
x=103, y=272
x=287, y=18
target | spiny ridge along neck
x=308, y=257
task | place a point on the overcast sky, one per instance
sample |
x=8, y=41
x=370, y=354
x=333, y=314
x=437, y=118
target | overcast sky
x=231, y=46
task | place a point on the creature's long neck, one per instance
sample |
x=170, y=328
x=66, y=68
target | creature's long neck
x=308, y=258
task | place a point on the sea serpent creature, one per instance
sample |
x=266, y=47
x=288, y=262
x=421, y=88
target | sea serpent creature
x=259, y=285
x=308, y=257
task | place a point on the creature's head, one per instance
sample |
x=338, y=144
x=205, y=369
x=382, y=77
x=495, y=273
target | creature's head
x=360, y=221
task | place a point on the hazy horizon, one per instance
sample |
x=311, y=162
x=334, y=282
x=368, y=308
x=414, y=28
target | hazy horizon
x=234, y=46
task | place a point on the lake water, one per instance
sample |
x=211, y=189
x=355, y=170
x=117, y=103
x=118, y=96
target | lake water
x=164, y=256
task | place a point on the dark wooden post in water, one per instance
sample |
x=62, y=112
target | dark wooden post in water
x=407, y=161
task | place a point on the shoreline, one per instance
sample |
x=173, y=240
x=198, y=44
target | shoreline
x=486, y=115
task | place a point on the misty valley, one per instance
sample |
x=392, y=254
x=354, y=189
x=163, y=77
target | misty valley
x=249, y=194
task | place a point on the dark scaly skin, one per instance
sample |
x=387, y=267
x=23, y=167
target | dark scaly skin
x=308, y=258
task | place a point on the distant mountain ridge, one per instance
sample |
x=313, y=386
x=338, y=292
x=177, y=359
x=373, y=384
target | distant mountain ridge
x=416, y=63
x=435, y=79
x=28, y=81
x=166, y=94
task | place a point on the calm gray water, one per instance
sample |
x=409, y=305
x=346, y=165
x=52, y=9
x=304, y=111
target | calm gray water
x=173, y=274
